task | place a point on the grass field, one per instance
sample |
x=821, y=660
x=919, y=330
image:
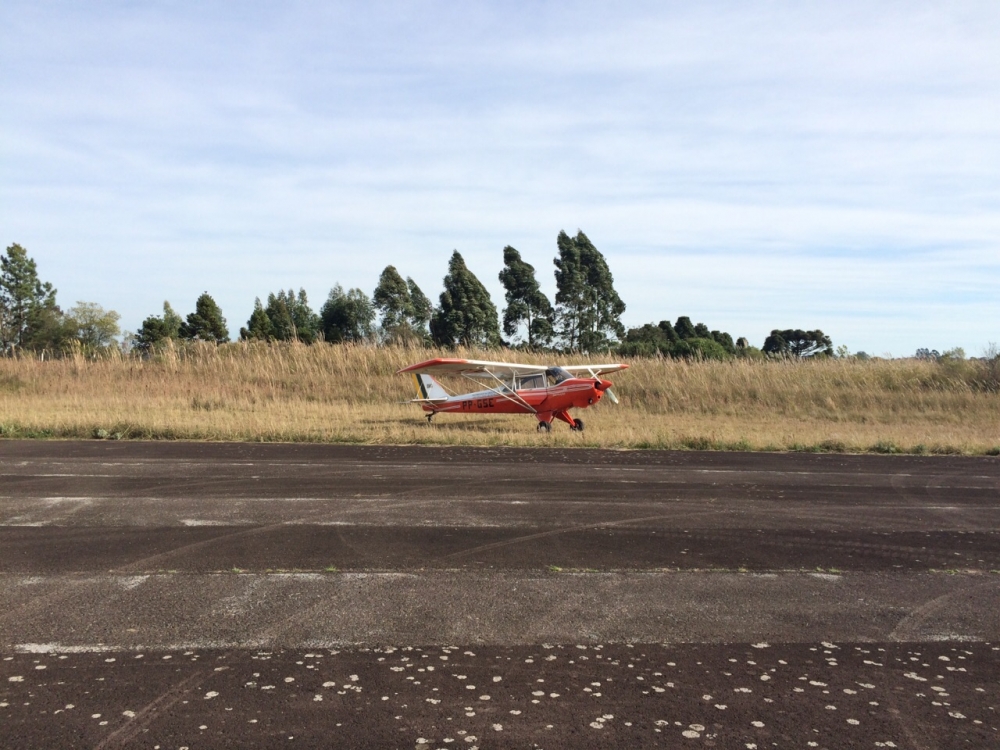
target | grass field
x=352, y=394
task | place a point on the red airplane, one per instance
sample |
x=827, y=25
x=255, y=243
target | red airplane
x=547, y=392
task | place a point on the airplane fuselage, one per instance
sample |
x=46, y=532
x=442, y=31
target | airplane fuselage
x=545, y=403
x=548, y=392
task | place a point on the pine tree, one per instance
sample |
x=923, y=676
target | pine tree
x=466, y=314
x=588, y=307
x=156, y=329
x=259, y=326
x=206, y=322
x=526, y=303
x=798, y=343
x=29, y=316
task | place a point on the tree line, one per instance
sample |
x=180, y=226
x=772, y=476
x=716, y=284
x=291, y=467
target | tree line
x=584, y=316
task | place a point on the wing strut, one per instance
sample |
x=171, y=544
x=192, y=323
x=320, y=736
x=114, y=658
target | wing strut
x=512, y=398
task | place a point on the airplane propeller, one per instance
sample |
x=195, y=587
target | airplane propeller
x=605, y=386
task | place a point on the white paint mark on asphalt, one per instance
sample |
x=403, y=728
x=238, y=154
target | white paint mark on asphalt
x=952, y=637
x=58, y=648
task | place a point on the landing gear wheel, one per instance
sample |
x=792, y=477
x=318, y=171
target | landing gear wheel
x=544, y=427
x=578, y=426
x=429, y=418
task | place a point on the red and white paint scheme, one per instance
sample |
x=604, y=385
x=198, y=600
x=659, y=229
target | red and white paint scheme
x=547, y=392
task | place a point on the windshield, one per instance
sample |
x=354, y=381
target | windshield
x=556, y=375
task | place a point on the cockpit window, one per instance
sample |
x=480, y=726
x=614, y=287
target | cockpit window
x=532, y=381
x=556, y=375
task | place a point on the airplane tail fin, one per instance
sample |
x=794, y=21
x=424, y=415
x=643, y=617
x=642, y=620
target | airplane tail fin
x=428, y=389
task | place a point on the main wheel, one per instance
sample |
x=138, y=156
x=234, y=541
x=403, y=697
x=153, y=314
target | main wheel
x=544, y=427
x=578, y=426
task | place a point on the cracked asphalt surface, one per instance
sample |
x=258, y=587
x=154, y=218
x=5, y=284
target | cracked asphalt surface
x=231, y=595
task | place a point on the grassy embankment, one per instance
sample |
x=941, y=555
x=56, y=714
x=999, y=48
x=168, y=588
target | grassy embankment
x=352, y=394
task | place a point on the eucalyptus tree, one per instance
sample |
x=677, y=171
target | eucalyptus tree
x=404, y=310
x=466, y=315
x=392, y=301
x=347, y=316
x=527, y=304
x=588, y=309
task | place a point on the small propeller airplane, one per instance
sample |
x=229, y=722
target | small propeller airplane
x=547, y=392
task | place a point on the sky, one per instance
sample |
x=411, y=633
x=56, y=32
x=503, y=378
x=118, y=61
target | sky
x=752, y=165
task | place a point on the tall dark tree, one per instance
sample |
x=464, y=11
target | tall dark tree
x=347, y=316
x=288, y=318
x=798, y=343
x=291, y=317
x=156, y=329
x=307, y=323
x=685, y=328
x=422, y=307
x=466, y=314
x=404, y=310
x=573, y=299
x=29, y=316
x=588, y=307
x=150, y=334
x=206, y=322
x=259, y=326
x=394, y=303
x=282, y=325
x=725, y=340
x=527, y=305
x=668, y=331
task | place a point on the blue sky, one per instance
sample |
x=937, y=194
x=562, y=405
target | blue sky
x=753, y=165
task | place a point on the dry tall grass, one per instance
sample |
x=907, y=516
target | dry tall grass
x=352, y=394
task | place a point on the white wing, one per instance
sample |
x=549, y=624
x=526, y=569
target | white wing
x=594, y=370
x=470, y=367
x=474, y=367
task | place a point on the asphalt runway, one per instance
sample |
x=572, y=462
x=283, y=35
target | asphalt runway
x=233, y=595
